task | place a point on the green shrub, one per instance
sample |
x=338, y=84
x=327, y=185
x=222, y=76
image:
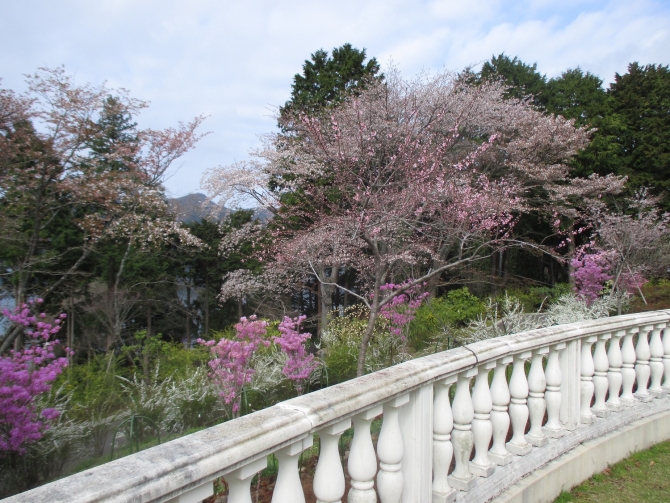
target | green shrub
x=538, y=297
x=454, y=310
x=341, y=343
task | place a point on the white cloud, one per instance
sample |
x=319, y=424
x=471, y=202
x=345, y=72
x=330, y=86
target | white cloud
x=235, y=60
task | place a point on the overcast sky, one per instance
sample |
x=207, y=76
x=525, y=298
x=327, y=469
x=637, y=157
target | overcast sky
x=235, y=61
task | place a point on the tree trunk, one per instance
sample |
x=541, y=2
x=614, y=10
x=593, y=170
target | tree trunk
x=188, y=317
x=70, y=330
x=145, y=352
x=360, y=370
x=571, y=254
x=326, y=295
x=206, y=305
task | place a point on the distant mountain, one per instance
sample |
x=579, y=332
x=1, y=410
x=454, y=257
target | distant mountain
x=195, y=207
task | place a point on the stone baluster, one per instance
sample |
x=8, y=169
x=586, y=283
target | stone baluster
x=656, y=363
x=518, y=408
x=587, y=369
x=537, y=385
x=443, y=450
x=464, y=413
x=329, y=475
x=600, y=381
x=239, y=481
x=390, y=451
x=288, y=488
x=614, y=378
x=666, y=359
x=571, y=384
x=499, y=414
x=642, y=370
x=362, y=463
x=627, y=368
x=482, y=429
x=552, y=395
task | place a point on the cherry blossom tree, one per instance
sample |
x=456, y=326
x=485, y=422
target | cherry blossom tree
x=629, y=246
x=55, y=178
x=409, y=179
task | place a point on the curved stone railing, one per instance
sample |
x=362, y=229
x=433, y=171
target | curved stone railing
x=421, y=430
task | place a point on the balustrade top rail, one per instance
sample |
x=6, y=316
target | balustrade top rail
x=166, y=472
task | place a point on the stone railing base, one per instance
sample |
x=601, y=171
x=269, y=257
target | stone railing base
x=586, y=451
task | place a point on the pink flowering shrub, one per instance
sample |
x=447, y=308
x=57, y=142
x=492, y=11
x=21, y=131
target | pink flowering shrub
x=591, y=272
x=231, y=365
x=402, y=308
x=300, y=364
x=24, y=375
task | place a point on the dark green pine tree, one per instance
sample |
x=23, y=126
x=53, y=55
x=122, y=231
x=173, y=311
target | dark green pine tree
x=581, y=96
x=522, y=80
x=641, y=104
x=116, y=129
x=326, y=80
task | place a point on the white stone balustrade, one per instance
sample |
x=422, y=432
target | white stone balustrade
x=518, y=407
x=239, y=481
x=537, y=385
x=552, y=394
x=482, y=429
x=362, y=463
x=656, y=360
x=628, y=368
x=499, y=414
x=600, y=381
x=329, y=475
x=666, y=360
x=288, y=488
x=586, y=416
x=642, y=370
x=421, y=431
x=461, y=436
x=615, y=360
x=390, y=451
x=443, y=450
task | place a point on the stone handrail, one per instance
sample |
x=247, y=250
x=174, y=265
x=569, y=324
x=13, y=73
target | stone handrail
x=421, y=431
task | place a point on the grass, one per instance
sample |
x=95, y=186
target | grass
x=644, y=477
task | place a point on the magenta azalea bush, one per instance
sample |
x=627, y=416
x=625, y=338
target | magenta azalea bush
x=231, y=365
x=26, y=374
x=591, y=272
x=299, y=364
x=401, y=310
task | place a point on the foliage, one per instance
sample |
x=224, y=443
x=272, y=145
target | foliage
x=173, y=405
x=441, y=314
x=640, y=101
x=538, y=298
x=326, y=80
x=26, y=374
x=341, y=341
x=522, y=80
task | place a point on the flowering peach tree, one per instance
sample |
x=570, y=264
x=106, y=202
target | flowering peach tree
x=410, y=179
